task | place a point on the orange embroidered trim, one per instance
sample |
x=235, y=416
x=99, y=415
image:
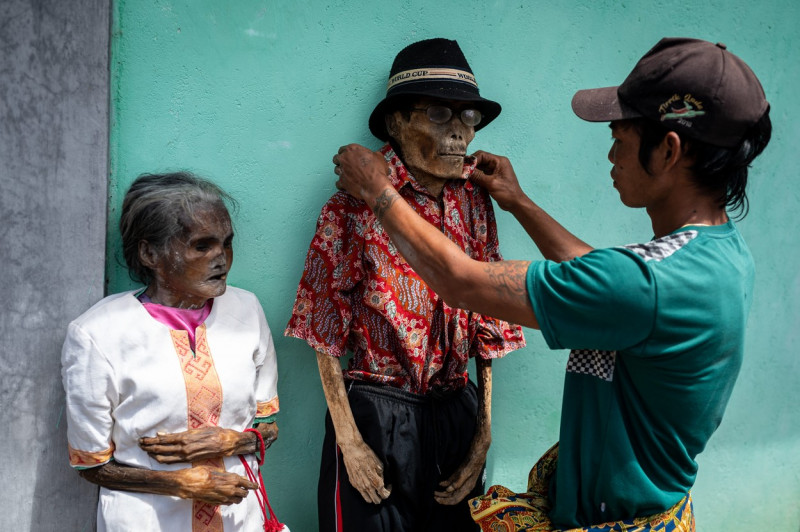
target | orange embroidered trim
x=204, y=400
x=267, y=408
x=88, y=459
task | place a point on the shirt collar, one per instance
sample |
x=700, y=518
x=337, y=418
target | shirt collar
x=400, y=176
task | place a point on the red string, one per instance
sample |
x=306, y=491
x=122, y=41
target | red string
x=271, y=523
x=260, y=447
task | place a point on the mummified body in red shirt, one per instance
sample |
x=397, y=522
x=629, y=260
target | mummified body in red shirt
x=412, y=432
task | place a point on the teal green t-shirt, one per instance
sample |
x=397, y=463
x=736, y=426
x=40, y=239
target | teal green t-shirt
x=657, y=333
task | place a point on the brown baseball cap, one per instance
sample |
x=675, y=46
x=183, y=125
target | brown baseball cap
x=690, y=86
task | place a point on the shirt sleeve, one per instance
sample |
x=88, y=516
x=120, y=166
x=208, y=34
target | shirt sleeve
x=605, y=300
x=494, y=338
x=322, y=310
x=89, y=382
x=266, y=372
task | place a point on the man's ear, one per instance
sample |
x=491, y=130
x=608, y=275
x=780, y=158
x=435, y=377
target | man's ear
x=147, y=255
x=669, y=153
x=392, y=128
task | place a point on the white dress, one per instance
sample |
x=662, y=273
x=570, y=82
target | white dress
x=128, y=376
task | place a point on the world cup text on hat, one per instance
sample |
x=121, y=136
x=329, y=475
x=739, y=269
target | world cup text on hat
x=428, y=74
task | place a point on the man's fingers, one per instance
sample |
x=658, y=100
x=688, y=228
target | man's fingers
x=478, y=177
x=483, y=158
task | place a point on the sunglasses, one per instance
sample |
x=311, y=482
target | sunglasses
x=440, y=114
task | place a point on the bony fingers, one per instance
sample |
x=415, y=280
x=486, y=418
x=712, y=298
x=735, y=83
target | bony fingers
x=163, y=459
x=369, y=496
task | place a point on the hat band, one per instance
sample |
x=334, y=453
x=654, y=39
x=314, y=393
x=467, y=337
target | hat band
x=428, y=74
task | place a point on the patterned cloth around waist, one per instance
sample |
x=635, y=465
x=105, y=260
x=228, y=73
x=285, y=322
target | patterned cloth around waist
x=502, y=510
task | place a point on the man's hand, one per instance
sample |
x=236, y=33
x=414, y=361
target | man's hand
x=496, y=175
x=192, y=445
x=365, y=471
x=362, y=172
x=205, y=484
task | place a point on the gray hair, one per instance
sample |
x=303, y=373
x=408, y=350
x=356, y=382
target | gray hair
x=159, y=208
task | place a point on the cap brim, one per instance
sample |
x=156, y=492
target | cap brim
x=488, y=108
x=602, y=105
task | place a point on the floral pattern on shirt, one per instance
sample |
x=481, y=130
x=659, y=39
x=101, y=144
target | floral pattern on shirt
x=357, y=292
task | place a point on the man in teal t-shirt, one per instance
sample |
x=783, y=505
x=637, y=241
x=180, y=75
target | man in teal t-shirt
x=656, y=330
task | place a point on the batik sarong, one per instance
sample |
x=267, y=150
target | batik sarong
x=502, y=510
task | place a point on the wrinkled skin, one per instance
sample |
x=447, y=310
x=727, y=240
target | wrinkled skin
x=203, y=443
x=433, y=153
x=193, y=270
x=201, y=483
x=195, y=267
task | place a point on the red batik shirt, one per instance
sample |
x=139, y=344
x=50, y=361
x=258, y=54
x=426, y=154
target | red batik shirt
x=357, y=292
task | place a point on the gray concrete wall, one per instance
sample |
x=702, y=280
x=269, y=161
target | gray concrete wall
x=53, y=183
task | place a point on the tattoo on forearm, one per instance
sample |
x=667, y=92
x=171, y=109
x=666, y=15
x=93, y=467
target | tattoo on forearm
x=383, y=202
x=509, y=276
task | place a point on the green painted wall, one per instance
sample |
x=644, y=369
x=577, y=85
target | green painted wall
x=259, y=95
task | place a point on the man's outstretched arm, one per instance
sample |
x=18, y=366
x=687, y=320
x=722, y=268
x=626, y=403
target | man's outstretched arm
x=495, y=174
x=496, y=289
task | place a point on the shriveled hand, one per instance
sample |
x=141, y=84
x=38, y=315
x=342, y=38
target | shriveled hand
x=454, y=489
x=496, y=175
x=205, y=484
x=192, y=445
x=365, y=471
x=269, y=431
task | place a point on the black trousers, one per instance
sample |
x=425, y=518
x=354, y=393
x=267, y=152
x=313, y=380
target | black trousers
x=421, y=441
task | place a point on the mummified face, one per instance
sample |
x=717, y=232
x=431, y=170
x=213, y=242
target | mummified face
x=195, y=267
x=433, y=150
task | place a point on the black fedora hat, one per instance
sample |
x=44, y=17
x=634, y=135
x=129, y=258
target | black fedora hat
x=436, y=68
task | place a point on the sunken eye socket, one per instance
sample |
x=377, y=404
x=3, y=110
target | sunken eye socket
x=441, y=114
x=207, y=245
